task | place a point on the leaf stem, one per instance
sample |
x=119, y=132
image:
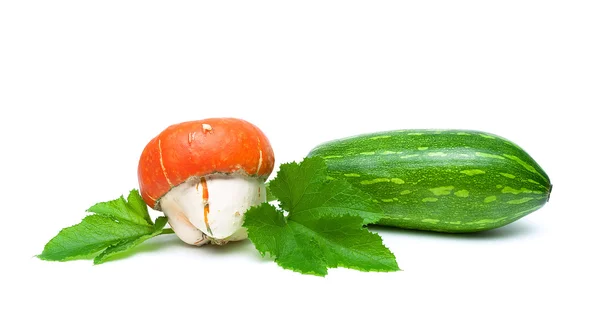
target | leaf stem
x=167, y=231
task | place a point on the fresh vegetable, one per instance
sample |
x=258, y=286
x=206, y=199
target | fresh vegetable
x=324, y=227
x=204, y=175
x=208, y=177
x=112, y=227
x=440, y=180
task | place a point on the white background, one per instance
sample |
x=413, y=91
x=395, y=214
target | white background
x=85, y=85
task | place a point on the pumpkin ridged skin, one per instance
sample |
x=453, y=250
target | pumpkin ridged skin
x=440, y=180
x=200, y=148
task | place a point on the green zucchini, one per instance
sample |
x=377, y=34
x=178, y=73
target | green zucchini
x=440, y=180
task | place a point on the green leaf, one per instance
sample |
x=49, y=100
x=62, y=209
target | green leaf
x=94, y=234
x=126, y=245
x=134, y=210
x=312, y=244
x=304, y=190
x=270, y=234
x=324, y=227
x=347, y=243
x=115, y=227
x=293, y=181
x=160, y=223
x=270, y=195
x=138, y=205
